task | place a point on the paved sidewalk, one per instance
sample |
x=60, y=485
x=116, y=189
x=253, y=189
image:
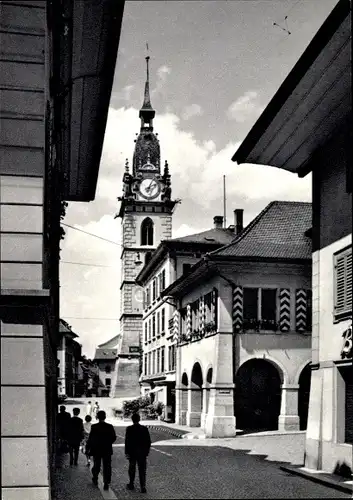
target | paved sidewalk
x=318, y=476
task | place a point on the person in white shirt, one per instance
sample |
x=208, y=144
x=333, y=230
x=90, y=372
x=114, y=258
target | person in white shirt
x=87, y=429
x=89, y=408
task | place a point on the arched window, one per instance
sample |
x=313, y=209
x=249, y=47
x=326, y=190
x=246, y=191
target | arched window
x=147, y=232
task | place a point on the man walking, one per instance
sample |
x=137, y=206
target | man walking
x=63, y=421
x=99, y=445
x=137, y=448
x=75, y=435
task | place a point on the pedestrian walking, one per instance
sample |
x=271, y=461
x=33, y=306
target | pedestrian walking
x=99, y=445
x=87, y=424
x=75, y=435
x=89, y=409
x=137, y=448
x=63, y=421
x=96, y=409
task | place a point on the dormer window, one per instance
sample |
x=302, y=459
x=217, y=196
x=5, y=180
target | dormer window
x=147, y=232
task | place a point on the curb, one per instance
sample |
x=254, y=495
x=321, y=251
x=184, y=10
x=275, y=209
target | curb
x=326, y=481
x=162, y=428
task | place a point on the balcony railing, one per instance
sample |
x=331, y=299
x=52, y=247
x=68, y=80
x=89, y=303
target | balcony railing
x=258, y=325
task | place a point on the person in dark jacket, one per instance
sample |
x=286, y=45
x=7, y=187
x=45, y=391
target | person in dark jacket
x=63, y=421
x=137, y=448
x=75, y=435
x=99, y=445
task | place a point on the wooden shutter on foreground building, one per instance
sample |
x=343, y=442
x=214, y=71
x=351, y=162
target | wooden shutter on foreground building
x=300, y=310
x=343, y=284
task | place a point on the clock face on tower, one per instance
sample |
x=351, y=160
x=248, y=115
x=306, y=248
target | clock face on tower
x=149, y=188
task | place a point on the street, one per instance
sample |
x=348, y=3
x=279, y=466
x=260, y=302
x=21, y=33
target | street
x=191, y=469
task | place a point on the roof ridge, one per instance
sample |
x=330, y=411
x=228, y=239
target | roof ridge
x=246, y=230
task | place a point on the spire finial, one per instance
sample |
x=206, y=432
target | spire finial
x=147, y=112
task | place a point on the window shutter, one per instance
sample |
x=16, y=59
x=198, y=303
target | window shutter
x=214, y=307
x=300, y=309
x=176, y=326
x=188, y=320
x=284, y=309
x=237, y=311
x=343, y=284
x=202, y=316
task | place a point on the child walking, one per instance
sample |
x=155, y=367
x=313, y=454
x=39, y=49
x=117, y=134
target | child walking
x=87, y=429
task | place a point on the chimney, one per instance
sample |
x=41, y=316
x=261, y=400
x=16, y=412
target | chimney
x=218, y=221
x=238, y=220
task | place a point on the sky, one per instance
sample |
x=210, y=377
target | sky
x=214, y=67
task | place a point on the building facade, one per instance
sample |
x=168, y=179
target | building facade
x=244, y=331
x=105, y=359
x=313, y=110
x=69, y=356
x=48, y=108
x=171, y=259
x=146, y=216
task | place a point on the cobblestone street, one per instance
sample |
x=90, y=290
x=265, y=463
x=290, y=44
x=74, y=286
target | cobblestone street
x=244, y=467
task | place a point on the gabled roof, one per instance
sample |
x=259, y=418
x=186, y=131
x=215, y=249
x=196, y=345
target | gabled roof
x=211, y=236
x=65, y=329
x=105, y=353
x=277, y=232
x=204, y=241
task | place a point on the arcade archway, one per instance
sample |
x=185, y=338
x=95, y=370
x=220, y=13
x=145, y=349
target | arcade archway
x=303, y=397
x=257, y=396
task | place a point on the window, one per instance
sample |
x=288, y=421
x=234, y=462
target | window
x=260, y=308
x=195, y=315
x=154, y=289
x=147, y=232
x=163, y=321
x=268, y=304
x=343, y=284
x=158, y=360
x=158, y=323
x=146, y=332
x=108, y=382
x=250, y=301
x=149, y=329
x=108, y=368
x=153, y=327
x=162, y=280
x=149, y=363
x=186, y=268
x=145, y=364
x=208, y=307
x=153, y=362
x=162, y=359
x=171, y=357
x=148, y=297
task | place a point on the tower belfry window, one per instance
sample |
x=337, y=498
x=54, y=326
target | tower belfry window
x=147, y=232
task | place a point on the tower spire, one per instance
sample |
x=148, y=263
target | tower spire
x=147, y=112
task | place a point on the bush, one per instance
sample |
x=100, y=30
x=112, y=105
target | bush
x=135, y=405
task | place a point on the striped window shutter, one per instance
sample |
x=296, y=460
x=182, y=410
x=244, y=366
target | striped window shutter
x=343, y=284
x=202, y=315
x=284, y=309
x=237, y=311
x=188, y=320
x=300, y=310
x=214, y=307
x=176, y=323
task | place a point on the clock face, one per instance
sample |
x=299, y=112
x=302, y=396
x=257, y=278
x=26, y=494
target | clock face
x=150, y=188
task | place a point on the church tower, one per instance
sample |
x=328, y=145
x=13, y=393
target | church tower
x=146, y=210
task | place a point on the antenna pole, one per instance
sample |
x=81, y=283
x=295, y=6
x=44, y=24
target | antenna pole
x=224, y=202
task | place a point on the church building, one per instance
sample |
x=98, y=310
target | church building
x=146, y=210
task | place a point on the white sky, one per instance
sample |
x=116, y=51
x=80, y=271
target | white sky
x=214, y=67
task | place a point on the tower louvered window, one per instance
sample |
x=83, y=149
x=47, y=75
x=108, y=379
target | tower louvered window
x=343, y=284
x=147, y=232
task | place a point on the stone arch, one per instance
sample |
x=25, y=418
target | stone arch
x=208, y=382
x=258, y=395
x=195, y=396
x=184, y=380
x=196, y=379
x=304, y=382
x=147, y=230
x=299, y=371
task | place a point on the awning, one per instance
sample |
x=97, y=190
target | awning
x=156, y=389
